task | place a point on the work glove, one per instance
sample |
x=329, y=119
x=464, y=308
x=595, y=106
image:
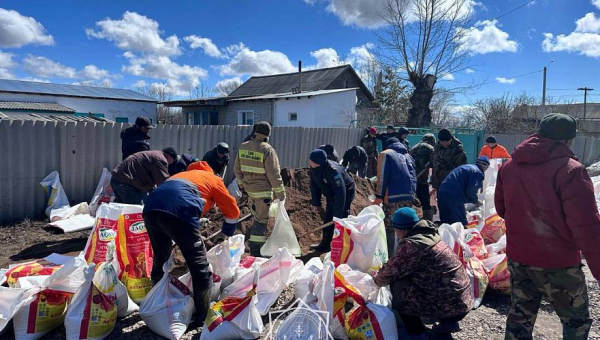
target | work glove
x=281, y=196
x=228, y=229
x=204, y=222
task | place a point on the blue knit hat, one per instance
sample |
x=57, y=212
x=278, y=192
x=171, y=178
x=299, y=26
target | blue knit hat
x=318, y=156
x=391, y=141
x=405, y=218
x=482, y=161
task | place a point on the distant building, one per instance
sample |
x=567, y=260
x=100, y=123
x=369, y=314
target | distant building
x=66, y=102
x=323, y=98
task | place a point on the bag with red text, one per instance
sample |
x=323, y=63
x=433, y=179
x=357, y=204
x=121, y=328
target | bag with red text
x=479, y=280
x=45, y=266
x=474, y=241
x=499, y=276
x=493, y=229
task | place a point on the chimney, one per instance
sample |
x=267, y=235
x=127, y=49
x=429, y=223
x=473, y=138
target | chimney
x=300, y=76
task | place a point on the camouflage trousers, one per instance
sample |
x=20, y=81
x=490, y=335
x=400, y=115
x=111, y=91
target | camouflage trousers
x=565, y=289
x=389, y=209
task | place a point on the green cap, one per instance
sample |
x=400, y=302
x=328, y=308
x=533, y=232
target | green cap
x=558, y=126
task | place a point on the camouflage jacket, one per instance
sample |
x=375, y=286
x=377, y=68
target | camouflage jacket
x=445, y=160
x=426, y=276
x=370, y=145
x=422, y=153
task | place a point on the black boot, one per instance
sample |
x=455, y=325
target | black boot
x=258, y=231
x=325, y=244
x=201, y=303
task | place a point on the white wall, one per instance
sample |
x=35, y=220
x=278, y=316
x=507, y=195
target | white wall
x=328, y=110
x=110, y=108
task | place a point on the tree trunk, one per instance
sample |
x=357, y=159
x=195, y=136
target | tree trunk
x=419, y=114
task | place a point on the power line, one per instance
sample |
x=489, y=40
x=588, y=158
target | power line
x=514, y=9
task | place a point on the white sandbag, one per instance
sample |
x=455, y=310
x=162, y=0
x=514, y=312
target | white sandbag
x=66, y=212
x=215, y=289
x=167, y=309
x=107, y=281
x=235, y=317
x=74, y=223
x=275, y=274
x=234, y=190
x=498, y=247
x=371, y=321
x=225, y=257
x=45, y=266
x=311, y=271
x=366, y=286
x=331, y=298
x=283, y=235
x=91, y=314
x=12, y=299
x=360, y=242
x=302, y=324
x=103, y=193
x=55, y=193
x=245, y=266
x=452, y=235
x=45, y=304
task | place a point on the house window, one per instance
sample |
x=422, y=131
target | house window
x=190, y=118
x=246, y=117
x=293, y=116
x=122, y=120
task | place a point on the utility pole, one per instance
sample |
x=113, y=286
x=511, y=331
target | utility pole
x=544, y=94
x=585, y=91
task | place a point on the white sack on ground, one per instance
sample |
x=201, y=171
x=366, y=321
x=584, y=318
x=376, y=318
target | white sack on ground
x=66, y=212
x=55, y=193
x=103, y=193
x=74, y=223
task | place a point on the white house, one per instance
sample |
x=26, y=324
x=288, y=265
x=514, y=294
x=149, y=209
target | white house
x=119, y=105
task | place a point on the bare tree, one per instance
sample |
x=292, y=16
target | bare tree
x=503, y=114
x=201, y=91
x=391, y=98
x=442, y=112
x=165, y=115
x=226, y=88
x=425, y=40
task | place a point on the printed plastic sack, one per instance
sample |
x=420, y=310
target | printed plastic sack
x=356, y=241
x=498, y=247
x=365, y=285
x=475, y=242
x=45, y=266
x=105, y=230
x=235, y=317
x=301, y=324
x=369, y=320
x=103, y=193
x=234, y=190
x=55, y=193
x=311, y=271
x=497, y=268
x=283, y=235
x=275, y=274
x=107, y=281
x=9, y=305
x=167, y=309
x=66, y=212
x=91, y=314
x=245, y=266
x=479, y=280
x=134, y=252
x=493, y=229
x=329, y=295
x=45, y=302
x=215, y=289
x=225, y=257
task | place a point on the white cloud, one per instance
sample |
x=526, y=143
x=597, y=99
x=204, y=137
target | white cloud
x=39, y=80
x=139, y=84
x=585, y=39
x=448, y=77
x=226, y=86
x=6, y=60
x=596, y=3
x=326, y=57
x=248, y=62
x=503, y=80
x=17, y=30
x=234, y=49
x=588, y=24
x=135, y=32
x=209, y=48
x=469, y=71
x=6, y=74
x=46, y=68
x=92, y=72
x=485, y=37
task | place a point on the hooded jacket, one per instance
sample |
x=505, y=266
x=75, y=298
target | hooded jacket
x=133, y=140
x=214, y=161
x=445, y=160
x=332, y=181
x=547, y=200
x=496, y=152
x=426, y=276
x=463, y=183
x=396, y=176
x=355, y=155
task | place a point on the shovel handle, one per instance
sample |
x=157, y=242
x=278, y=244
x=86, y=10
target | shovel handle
x=316, y=229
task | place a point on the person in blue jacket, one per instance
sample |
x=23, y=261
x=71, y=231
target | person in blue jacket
x=329, y=179
x=460, y=187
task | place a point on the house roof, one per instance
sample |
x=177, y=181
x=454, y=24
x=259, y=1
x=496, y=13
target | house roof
x=572, y=109
x=291, y=95
x=51, y=118
x=32, y=87
x=34, y=106
x=312, y=80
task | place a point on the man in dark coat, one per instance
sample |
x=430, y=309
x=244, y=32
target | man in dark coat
x=402, y=135
x=369, y=143
x=329, y=179
x=422, y=153
x=449, y=154
x=426, y=277
x=332, y=155
x=390, y=132
x=547, y=200
x=181, y=163
x=218, y=158
x=135, y=138
x=355, y=161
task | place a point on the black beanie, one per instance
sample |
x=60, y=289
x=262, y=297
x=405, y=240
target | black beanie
x=491, y=139
x=318, y=156
x=558, y=126
x=263, y=128
x=444, y=135
x=171, y=152
x=403, y=131
x=391, y=141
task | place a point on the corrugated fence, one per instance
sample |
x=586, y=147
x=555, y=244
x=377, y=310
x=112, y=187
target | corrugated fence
x=78, y=151
x=587, y=149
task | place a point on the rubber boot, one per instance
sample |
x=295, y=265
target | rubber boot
x=325, y=244
x=428, y=215
x=201, y=303
x=258, y=231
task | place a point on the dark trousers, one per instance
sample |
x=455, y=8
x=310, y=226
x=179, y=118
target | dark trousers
x=452, y=208
x=414, y=325
x=358, y=168
x=423, y=195
x=126, y=193
x=164, y=228
x=372, y=167
x=328, y=232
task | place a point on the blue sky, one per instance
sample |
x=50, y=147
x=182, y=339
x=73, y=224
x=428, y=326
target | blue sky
x=180, y=44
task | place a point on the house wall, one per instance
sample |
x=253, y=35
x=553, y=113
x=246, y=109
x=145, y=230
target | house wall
x=263, y=111
x=340, y=82
x=194, y=109
x=111, y=109
x=329, y=110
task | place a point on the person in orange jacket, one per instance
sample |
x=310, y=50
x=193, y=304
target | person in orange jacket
x=173, y=211
x=492, y=149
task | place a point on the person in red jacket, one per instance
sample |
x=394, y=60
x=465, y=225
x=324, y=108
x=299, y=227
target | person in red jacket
x=547, y=200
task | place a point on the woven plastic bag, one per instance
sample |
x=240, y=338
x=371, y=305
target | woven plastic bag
x=365, y=285
x=496, y=267
x=45, y=266
x=479, y=280
x=167, y=309
x=493, y=229
x=103, y=193
x=225, y=257
x=91, y=314
x=312, y=271
x=104, y=231
x=283, y=235
x=234, y=190
x=55, y=193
